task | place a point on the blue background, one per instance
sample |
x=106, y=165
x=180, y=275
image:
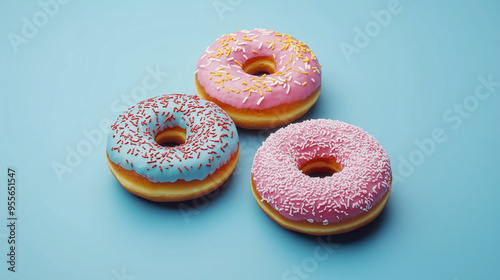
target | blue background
x=82, y=64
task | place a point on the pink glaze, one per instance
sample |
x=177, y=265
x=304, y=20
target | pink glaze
x=220, y=70
x=364, y=179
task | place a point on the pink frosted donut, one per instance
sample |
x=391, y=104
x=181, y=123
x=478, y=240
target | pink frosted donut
x=351, y=197
x=289, y=85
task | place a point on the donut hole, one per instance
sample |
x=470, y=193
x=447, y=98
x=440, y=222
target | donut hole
x=260, y=66
x=323, y=167
x=171, y=137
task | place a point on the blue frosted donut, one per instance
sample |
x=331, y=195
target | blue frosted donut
x=204, y=158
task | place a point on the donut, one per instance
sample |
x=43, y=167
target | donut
x=352, y=196
x=261, y=78
x=202, y=154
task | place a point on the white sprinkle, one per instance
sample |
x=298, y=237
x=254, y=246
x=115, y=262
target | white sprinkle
x=203, y=56
x=313, y=80
x=244, y=100
x=260, y=45
x=218, y=88
x=297, y=83
x=260, y=100
x=230, y=58
x=245, y=57
x=310, y=220
x=237, y=78
x=196, y=71
x=288, y=89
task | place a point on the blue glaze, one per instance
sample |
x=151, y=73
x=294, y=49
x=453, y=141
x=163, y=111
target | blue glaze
x=208, y=128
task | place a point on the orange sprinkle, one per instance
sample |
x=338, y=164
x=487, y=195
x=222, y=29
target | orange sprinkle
x=247, y=39
x=218, y=75
x=238, y=63
x=244, y=83
x=304, y=83
x=304, y=73
x=254, y=51
x=291, y=57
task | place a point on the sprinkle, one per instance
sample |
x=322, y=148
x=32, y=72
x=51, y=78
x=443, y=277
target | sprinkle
x=238, y=63
x=260, y=100
x=134, y=133
x=365, y=171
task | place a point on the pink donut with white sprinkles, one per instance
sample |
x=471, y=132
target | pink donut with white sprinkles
x=353, y=195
